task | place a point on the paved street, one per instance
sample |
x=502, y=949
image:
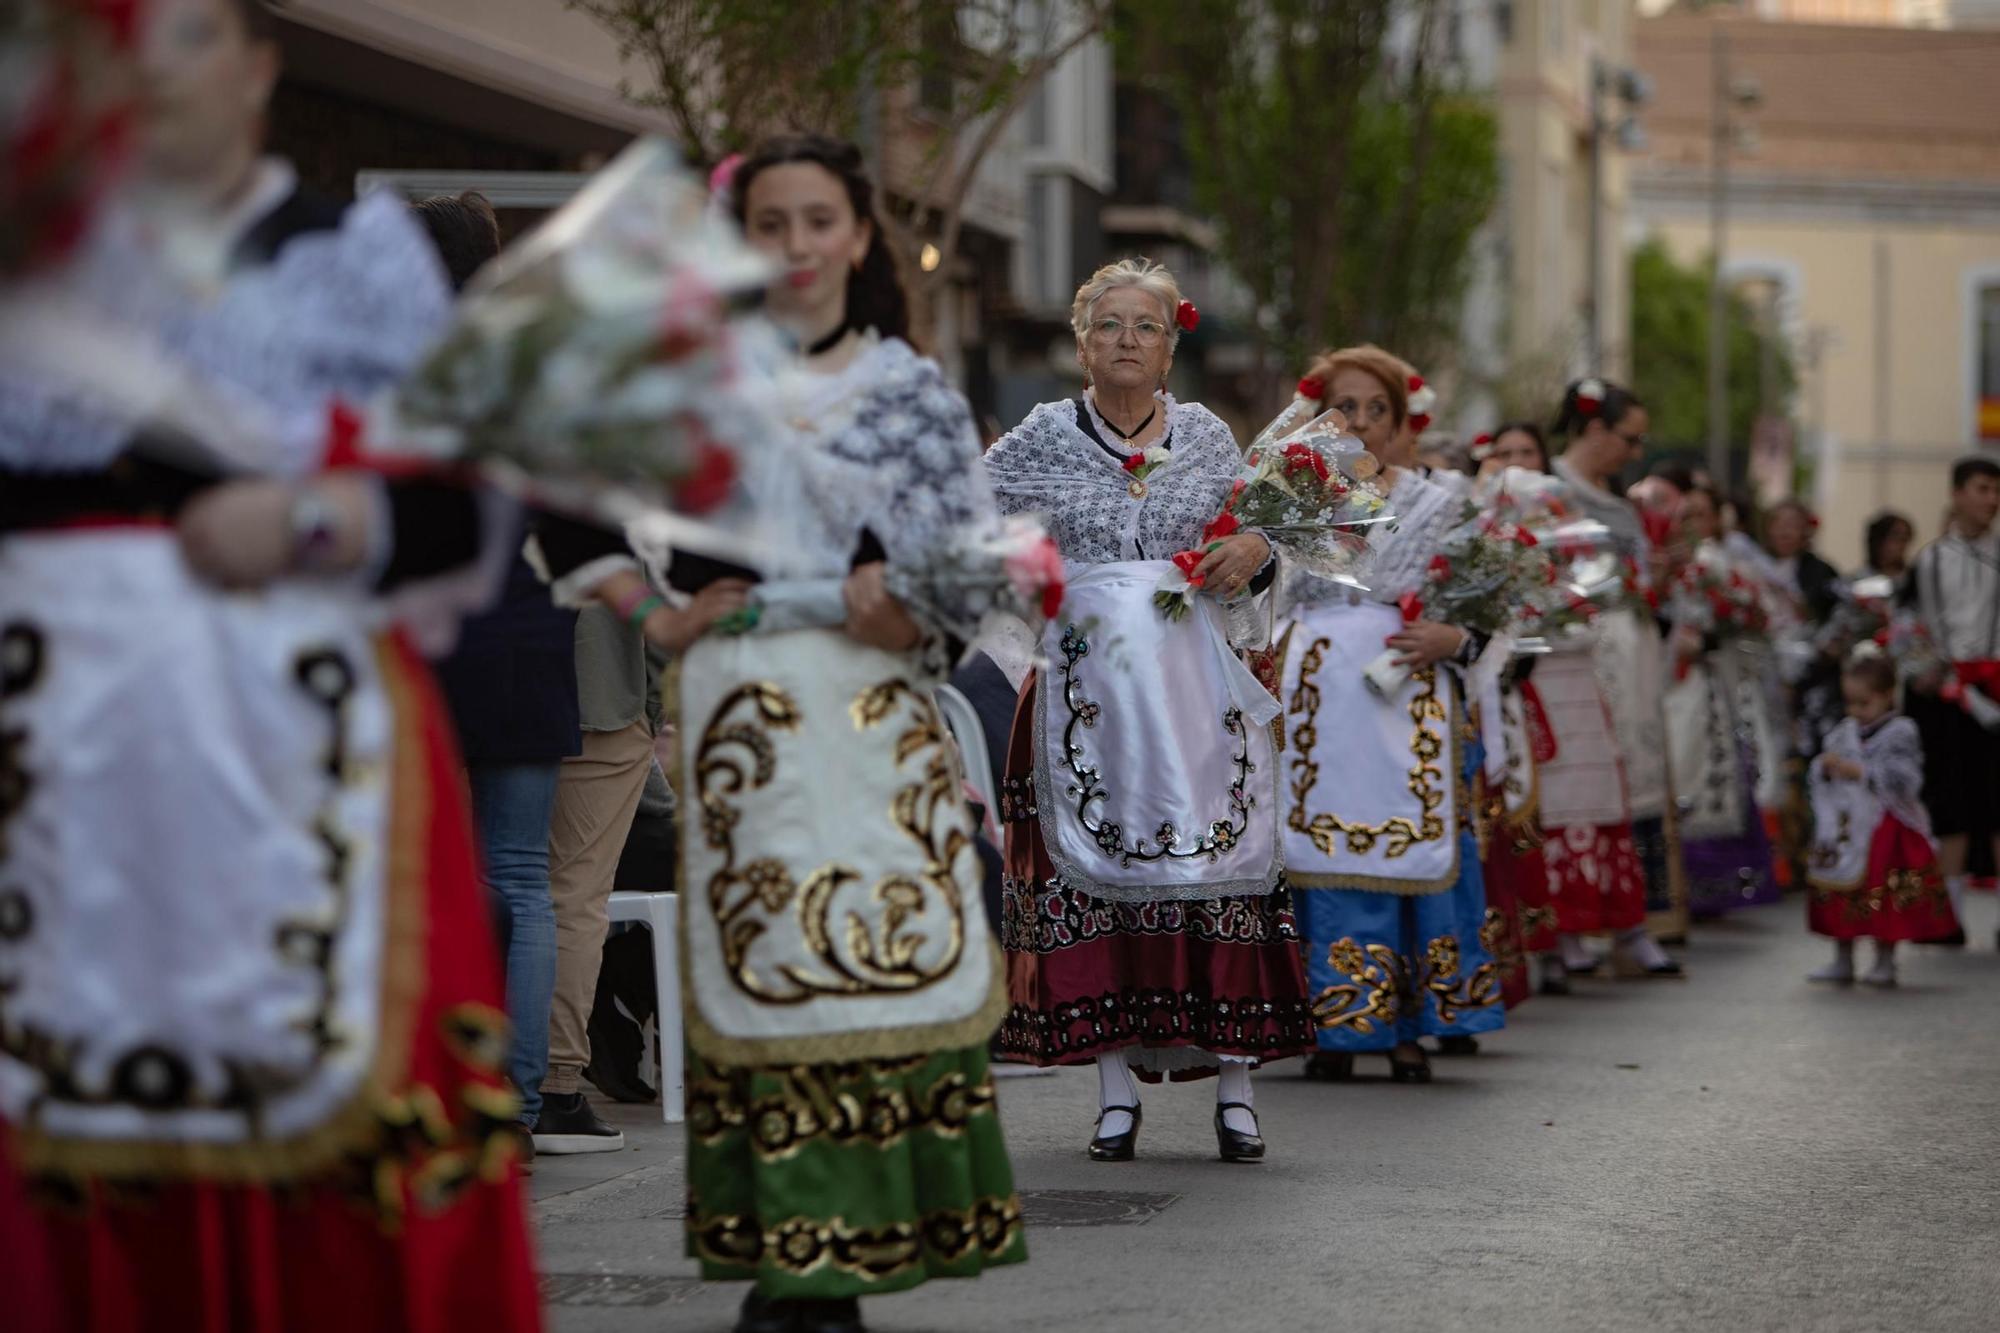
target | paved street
x=1738, y=1151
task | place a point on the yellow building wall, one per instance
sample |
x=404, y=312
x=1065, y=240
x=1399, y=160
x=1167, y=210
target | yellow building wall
x=1887, y=435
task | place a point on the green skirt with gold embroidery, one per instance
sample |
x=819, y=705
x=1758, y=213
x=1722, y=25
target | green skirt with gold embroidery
x=827, y=1181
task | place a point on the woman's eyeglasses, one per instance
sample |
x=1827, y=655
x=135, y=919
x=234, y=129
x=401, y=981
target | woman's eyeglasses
x=1146, y=333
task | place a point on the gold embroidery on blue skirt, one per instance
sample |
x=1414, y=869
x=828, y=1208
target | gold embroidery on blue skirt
x=1426, y=778
x=1377, y=978
x=1452, y=993
x=859, y=956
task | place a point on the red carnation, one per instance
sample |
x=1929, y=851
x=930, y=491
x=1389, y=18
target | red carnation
x=1236, y=490
x=1481, y=438
x=1312, y=387
x=1133, y=462
x=1223, y=525
x=1440, y=567
x=1525, y=537
x=709, y=482
x=1187, y=316
x=1186, y=561
x=1412, y=607
x=1416, y=382
x=1420, y=422
x=1587, y=405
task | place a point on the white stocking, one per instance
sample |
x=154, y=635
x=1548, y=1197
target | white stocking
x=1644, y=949
x=1233, y=1085
x=1955, y=886
x=1576, y=955
x=1115, y=1087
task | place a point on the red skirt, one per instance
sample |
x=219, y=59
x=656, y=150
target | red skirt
x=420, y=1229
x=1903, y=897
x=1086, y=976
x=1596, y=881
x=1517, y=899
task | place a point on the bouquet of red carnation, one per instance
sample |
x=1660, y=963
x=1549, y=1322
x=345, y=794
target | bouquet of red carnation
x=1583, y=574
x=1308, y=488
x=1715, y=600
x=68, y=76
x=602, y=350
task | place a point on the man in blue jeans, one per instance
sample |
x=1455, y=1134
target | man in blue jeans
x=511, y=686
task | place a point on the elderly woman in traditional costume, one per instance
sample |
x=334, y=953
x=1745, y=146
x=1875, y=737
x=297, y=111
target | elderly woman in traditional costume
x=1147, y=923
x=1378, y=834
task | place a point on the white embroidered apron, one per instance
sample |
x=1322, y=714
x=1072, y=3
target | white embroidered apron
x=193, y=880
x=1845, y=816
x=830, y=887
x=1701, y=733
x=1583, y=783
x=1370, y=785
x=1154, y=772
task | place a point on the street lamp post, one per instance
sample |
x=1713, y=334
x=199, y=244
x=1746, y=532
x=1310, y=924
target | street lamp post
x=1633, y=89
x=1729, y=93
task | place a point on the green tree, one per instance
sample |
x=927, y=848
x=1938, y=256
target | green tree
x=1670, y=354
x=929, y=84
x=1347, y=173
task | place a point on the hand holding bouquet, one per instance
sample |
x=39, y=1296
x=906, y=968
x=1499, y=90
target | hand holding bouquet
x=1011, y=568
x=1307, y=486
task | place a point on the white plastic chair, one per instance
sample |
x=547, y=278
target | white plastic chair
x=963, y=720
x=660, y=914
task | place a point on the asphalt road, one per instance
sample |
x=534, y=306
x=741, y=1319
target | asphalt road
x=1737, y=1151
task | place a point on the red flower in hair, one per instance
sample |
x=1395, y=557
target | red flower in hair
x=1415, y=383
x=1222, y=525
x=1187, y=316
x=1481, y=438
x=1312, y=387
x=1420, y=422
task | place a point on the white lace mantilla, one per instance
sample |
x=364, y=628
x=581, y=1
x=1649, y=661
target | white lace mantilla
x=337, y=314
x=1048, y=466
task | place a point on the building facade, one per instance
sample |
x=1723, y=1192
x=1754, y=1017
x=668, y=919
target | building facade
x=1868, y=206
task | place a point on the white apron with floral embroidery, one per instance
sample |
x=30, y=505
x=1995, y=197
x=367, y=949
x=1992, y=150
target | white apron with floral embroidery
x=1153, y=746
x=1370, y=786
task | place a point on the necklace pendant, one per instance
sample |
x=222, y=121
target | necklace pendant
x=1137, y=488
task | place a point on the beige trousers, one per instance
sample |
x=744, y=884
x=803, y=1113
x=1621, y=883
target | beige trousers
x=596, y=798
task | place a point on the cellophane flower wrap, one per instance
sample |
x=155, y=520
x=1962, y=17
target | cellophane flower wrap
x=603, y=349
x=1307, y=486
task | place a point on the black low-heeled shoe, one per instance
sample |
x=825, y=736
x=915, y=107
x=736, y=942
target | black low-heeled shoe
x=1117, y=1147
x=842, y=1316
x=1555, y=985
x=1333, y=1066
x=761, y=1314
x=1410, y=1071
x=1233, y=1145
x=1458, y=1045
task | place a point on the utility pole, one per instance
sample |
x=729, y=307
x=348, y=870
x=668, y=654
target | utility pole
x=1593, y=315
x=1718, y=292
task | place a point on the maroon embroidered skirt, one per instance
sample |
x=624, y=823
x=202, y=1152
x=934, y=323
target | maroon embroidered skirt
x=1903, y=898
x=1086, y=976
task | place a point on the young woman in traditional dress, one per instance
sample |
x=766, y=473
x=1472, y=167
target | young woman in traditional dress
x=1517, y=877
x=251, y=1034
x=1712, y=710
x=842, y=1134
x=1873, y=868
x=1147, y=924
x=1605, y=791
x=1378, y=826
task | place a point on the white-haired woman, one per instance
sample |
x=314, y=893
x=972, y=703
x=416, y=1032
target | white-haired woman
x=1146, y=923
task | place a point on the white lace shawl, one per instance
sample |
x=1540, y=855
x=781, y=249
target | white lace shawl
x=1048, y=466
x=1400, y=557
x=337, y=314
x=891, y=449
x=1892, y=756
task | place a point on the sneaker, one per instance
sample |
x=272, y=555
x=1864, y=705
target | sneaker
x=568, y=1124
x=1839, y=972
x=1882, y=974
